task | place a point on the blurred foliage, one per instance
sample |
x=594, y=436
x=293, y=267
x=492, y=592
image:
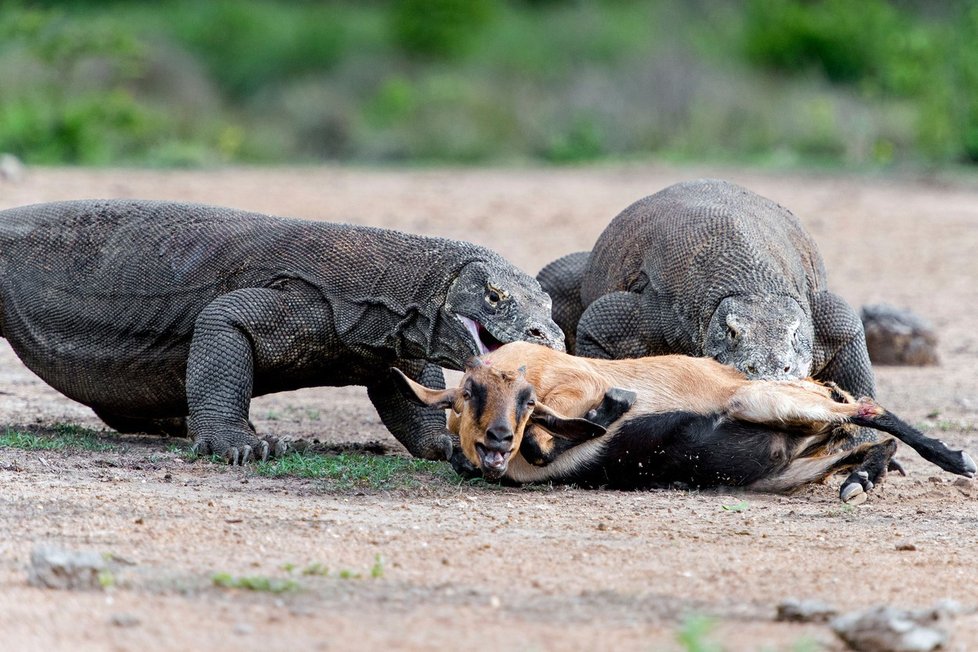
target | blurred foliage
x=438, y=28
x=248, y=44
x=180, y=82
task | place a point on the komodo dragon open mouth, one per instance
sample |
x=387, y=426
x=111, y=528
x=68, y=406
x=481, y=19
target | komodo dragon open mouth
x=484, y=340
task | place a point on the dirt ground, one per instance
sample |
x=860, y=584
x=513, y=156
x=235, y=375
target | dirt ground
x=501, y=568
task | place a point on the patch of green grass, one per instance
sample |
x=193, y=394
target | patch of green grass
x=353, y=470
x=315, y=568
x=948, y=425
x=736, y=507
x=377, y=570
x=321, y=570
x=106, y=579
x=58, y=437
x=843, y=510
x=694, y=632
x=254, y=583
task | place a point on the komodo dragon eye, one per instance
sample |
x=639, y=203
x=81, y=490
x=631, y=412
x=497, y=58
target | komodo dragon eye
x=494, y=295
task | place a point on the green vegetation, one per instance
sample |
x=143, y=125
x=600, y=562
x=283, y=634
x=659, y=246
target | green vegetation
x=739, y=506
x=254, y=583
x=58, y=437
x=347, y=471
x=694, y=634
x=178, y=82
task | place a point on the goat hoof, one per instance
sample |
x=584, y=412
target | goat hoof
x=853, y=494
x=968, y=465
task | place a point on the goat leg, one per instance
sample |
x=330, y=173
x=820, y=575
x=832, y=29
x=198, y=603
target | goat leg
x=615, y=403
x=933, y=450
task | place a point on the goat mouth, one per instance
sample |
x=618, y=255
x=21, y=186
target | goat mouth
x=493, y=462
x=484, y=340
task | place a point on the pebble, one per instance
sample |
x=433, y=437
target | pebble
x=124, y=620
x=898, y=337
x=11, y=169
x=805, y=611
x=55, y=568
x=887, y=629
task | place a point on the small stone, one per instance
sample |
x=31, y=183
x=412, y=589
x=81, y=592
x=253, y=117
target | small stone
x=805, y=611
x=886, y=629
x=906, y=547
x=124, y=620
x=243, y=629
x=11, y=169
x=54, y=568
x=898, y=337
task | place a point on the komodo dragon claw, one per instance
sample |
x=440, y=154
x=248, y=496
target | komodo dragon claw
x=241, y=455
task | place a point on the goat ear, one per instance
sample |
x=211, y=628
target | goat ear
x=569, y=428
x=418, y=393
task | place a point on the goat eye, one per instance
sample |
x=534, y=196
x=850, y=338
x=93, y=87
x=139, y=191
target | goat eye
x=493, y=297
x=531, y=403
x=466, y=394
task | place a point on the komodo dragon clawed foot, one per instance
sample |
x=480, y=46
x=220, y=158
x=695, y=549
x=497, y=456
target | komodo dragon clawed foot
x=240, y=452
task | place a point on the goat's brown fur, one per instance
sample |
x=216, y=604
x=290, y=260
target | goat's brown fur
x=798, y=421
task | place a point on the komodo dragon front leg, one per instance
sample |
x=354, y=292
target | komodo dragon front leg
x=612, y=328
x=258, y=340
x=420, y=428
x=562, y=280
x=238, y=336
x=630, y=325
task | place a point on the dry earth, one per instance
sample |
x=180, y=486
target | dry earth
x=476, y=566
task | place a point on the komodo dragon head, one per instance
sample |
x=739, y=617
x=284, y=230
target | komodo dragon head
x=489, y=305
x=765, y=337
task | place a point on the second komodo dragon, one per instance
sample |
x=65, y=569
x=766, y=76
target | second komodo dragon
x=708, y=268
x=168, y=317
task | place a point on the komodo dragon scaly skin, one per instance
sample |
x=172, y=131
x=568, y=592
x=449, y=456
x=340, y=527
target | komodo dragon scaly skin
x=168, y=317
x=708, y=268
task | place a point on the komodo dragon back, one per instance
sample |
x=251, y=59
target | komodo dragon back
x=701, y=241
x=715, y=262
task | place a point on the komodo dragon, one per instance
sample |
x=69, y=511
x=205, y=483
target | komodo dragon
x=166, y=317
x=708, y=268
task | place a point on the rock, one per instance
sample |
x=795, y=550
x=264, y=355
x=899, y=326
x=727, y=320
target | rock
x=805, y=611
x=54, y=568
x=11, y=169
x=124, y=620
x=898, y=337
x=886, y=629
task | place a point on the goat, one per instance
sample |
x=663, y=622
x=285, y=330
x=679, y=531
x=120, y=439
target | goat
x=529, y=413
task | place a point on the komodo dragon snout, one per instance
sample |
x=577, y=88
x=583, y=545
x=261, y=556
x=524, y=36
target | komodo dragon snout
x=765, y=337
x=488, y=307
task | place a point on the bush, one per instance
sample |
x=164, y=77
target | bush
x=247, y=45
x=847, y=41
x=438, y=28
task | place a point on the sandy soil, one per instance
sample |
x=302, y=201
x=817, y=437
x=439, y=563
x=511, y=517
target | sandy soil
x=467, y=566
